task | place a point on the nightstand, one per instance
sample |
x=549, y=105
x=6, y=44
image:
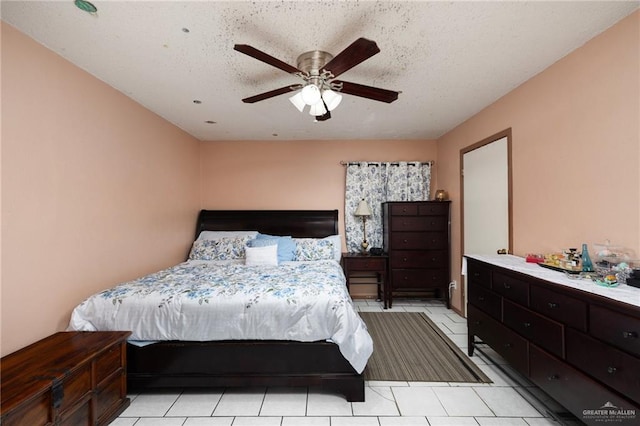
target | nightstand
x=357, y=264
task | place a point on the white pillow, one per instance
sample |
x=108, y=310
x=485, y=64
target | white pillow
x=267, y=255
x=216, y=235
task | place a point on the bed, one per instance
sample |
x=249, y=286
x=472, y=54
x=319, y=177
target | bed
x=319, y=341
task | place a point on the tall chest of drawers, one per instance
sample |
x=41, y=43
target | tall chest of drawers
x=417, y=240
x=581, y=348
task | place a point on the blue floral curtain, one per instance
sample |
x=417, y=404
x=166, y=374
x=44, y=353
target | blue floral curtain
x=377, y=183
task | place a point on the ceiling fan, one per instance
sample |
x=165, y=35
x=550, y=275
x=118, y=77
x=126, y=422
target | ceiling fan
x=319, y=70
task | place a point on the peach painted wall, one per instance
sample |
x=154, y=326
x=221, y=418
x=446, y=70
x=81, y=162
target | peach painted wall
x=576, y=149
x=95, y=189
x=293, y=174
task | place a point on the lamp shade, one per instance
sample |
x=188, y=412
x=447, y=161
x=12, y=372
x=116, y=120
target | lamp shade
x=310, y=94
x=317, y=109
x=297, y=101
x=331, y=98
x=363, y=209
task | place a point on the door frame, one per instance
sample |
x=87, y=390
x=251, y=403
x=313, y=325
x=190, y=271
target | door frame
x=486, y=141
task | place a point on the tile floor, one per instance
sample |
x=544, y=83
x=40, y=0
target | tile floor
x=505, y=402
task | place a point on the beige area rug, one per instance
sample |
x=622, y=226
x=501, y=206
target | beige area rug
x=408, y=346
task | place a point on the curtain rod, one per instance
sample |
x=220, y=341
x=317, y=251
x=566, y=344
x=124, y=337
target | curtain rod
x=370, y=163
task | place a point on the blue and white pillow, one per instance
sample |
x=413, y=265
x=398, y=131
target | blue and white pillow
x=216, y=235
x=308, y=249
x=219, y=249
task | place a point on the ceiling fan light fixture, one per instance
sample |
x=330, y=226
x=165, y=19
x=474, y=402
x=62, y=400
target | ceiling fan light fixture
x=318, y=109
x=331, y=98
x=297, y=101
x=318, y=71
x=310, y=94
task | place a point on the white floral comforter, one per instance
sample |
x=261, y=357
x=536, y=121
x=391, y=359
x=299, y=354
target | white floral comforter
x=200, y=301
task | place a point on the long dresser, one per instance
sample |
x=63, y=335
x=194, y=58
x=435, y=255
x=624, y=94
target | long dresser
x=576, y=341
x=417, y=240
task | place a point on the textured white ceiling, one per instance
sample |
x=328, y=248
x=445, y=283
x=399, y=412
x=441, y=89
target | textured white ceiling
x=449, y=59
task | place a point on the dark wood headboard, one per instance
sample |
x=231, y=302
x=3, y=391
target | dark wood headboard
x=297, y=223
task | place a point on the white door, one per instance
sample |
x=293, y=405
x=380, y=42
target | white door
x=486, y=197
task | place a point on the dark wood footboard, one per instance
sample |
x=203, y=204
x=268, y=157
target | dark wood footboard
x=242, y=363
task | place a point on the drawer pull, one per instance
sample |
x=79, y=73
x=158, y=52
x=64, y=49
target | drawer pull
x=433, y=259
x=553, y=377
x=404, y=259
x=476, y=274
x=405, y=241
x=478, y=322
x=552, y=305
x=507, y=345
x=630, y=334
x=526, y=324
x=507, y=286
x=481, y=298
x=611, y=370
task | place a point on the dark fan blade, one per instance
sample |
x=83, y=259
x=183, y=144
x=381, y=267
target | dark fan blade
x=368, y=92
x=359, y=51
x=271, y=94
x=267, y=59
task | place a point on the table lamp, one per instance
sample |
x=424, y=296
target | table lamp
x=363, y=211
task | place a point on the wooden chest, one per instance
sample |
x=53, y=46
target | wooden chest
x=68, y=378
x=417, y=240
